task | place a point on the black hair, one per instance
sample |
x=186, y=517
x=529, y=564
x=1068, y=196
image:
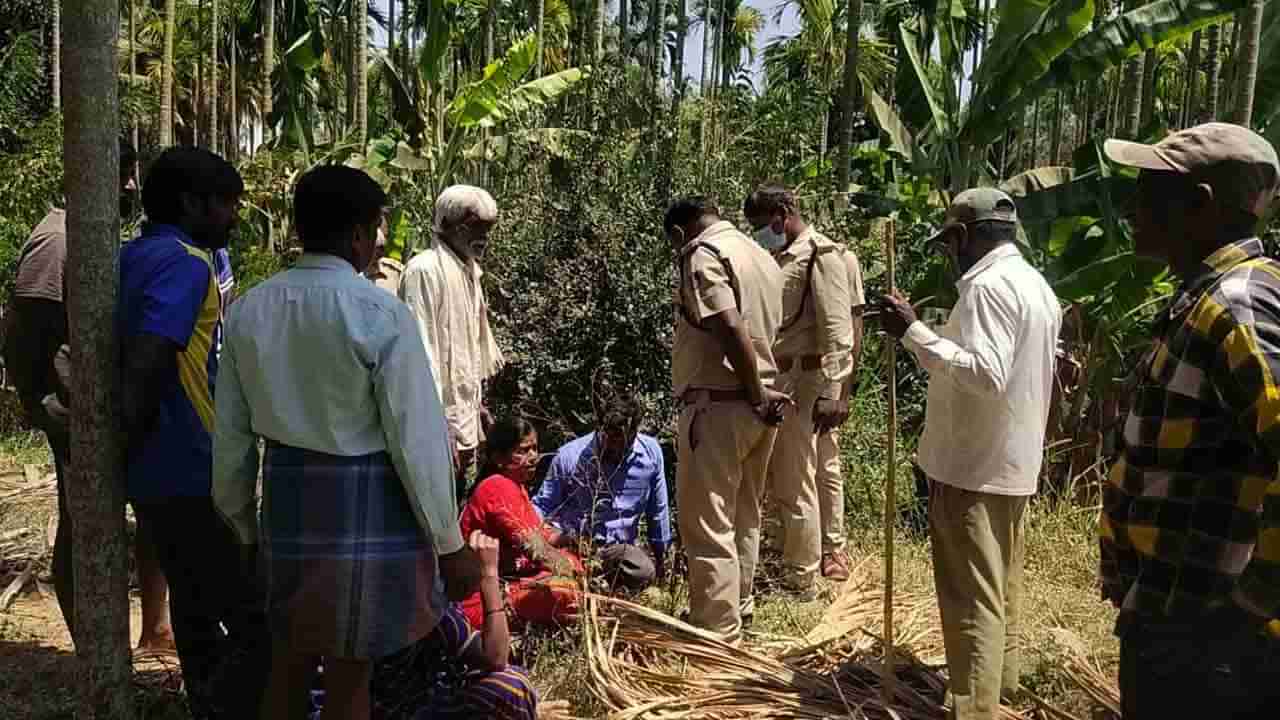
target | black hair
x=622, y=414
x=768, y=199
x=502, y=439
x=331, y=201
x=686, y=210
x=997, y=232
x=189, y=170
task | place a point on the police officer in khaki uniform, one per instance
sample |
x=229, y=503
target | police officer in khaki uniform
x=728, y=308
x=835, y=563
x=814, y=357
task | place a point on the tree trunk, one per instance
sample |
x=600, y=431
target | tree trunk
x=391, y=32
x=491, y=19
x=848, y=96
x=133, y=67
x=360, y=62
x=623, y=26
x=659, y=46
x=597, y=55
x=268, y=63
x=214, y=26
x=705, y=86
x=166, y=75
x=1131, y=92
x=542, y=16
x=717, y=50
x=1250, y=42
x=55, y=56
x=1035, y=135
x=677, y=58
x=1148, y=90
x=1231, y=83
x=1189, y=90
x=233, y=125
x=95, y=482
x=1055, y=129
x=1212, y=70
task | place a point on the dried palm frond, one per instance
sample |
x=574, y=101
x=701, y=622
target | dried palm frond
x=1086, y=673
x=645, y=664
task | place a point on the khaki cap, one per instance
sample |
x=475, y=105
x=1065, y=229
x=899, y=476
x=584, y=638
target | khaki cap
x=1239, y=164
x=978, y=205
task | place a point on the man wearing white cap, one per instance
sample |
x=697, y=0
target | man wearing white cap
x=1190, y=526
x=990, y=383
x=442, y=287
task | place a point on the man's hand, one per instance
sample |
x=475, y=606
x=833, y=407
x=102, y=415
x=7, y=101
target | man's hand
x=829, y=414
x=461, y=572
x=896, y=314
x=773, y=406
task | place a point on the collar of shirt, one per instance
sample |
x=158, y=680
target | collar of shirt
x=469, y=265
x=323, y=261
x=594, y=445
x=712, y=230
x=1008, y=250
x=796, y=247
x=156, y=229
x=1212, y=268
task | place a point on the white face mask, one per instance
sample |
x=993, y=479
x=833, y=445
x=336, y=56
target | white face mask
x=769, y=239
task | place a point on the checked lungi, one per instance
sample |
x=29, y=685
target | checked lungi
x=350, y=573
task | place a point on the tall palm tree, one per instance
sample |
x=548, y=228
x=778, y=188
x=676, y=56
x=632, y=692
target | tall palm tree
x=56, y=55
x=541, y=22
x=848, y=95
x=1212, y=71
x=623, y=20
x=214, y=28
x=677, y=57
x=1189, y=88
x=1250, y=44
x=1148, y=88
x=268, y=61
x=90, y=132
x=166, y=74
x=133, y=62
x=1132, y=88
x=360, y=62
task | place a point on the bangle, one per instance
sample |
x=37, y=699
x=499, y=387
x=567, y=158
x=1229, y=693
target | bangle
x=495, y=611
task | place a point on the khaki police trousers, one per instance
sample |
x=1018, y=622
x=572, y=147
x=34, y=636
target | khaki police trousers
x=793, y=484
x=830, y=492
x=723, y=453
x=977, y=567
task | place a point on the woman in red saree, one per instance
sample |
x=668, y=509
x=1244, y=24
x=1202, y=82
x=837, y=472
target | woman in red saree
x=539, y=574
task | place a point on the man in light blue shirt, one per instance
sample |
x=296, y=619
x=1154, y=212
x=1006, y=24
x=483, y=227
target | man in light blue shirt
x=600, y=485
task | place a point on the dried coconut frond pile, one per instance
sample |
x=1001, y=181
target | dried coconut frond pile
x=25, y=539
x=645, y=664
x=1086, y=673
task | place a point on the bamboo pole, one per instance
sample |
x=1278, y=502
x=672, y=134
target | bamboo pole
x=887, y=679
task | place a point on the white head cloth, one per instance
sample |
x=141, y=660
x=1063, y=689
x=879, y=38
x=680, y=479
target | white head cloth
x=458, y=201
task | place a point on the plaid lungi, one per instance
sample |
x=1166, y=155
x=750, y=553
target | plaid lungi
x=350, y=572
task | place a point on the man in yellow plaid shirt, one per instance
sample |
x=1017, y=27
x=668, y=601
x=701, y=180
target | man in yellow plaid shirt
x=1191, y=514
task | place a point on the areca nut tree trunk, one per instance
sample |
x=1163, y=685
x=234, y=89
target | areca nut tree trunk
x=658, y=23
x=95, y=489
x=233, y=115
x=677, y=58
x=597, y=50
x=848, y=96
x=1212, y=72
x=360, y=65
x=540, y=23
x=1250, y=44
x=55, y=57
x=1148, y=88
x=623, y=19
x=133, y=65
x=1055, y=128
x=268, y=61
x=214, y=27
x=166, y=74
x=1189, y=91
x=1131, y=93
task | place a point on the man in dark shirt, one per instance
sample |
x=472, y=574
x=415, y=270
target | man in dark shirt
x=1190, y=527
x=37, y=328
x=170, y=319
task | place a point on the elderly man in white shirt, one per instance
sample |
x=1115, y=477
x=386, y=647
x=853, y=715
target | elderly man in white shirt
x=359, y=520
x=990, y=383
x=442, y=287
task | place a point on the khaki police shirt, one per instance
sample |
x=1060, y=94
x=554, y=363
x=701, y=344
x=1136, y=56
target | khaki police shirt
x=857, y=294
x=817, y=307
x=697, y=359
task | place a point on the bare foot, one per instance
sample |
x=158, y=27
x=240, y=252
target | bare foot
x=158, y=641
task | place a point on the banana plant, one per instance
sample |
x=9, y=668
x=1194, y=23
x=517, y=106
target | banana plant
x=1038, y=45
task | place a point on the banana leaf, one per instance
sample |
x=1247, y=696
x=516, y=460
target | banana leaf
x=1108, y=45
x=900, y=139
x=1030, y=36
x=910, y=43
x=435, y=43
x=497, y=95
x=1266, y=99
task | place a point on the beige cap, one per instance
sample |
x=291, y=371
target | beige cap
x=978, y=205
x=1239, y=164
